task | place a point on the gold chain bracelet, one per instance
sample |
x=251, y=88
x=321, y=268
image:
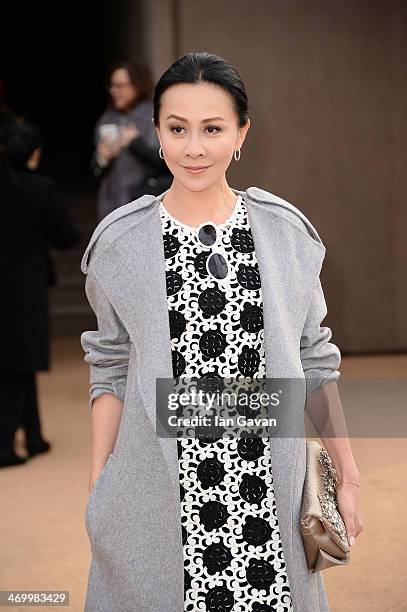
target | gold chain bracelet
x=356, y=484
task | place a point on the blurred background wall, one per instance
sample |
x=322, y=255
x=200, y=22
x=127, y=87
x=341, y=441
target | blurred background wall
x=327, y=87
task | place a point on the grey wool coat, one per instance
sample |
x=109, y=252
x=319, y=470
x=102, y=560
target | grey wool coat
x=133, y=512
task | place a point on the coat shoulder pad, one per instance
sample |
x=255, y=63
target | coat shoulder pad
x=286, y=210
x=111, y=226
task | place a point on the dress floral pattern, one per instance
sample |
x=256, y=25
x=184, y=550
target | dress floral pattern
x=233, y=555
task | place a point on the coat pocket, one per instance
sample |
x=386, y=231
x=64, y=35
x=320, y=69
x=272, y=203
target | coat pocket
x=95, y=500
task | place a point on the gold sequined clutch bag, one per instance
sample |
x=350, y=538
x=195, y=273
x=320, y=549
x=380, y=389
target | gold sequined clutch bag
x=322, y=528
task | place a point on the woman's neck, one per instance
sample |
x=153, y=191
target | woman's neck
x=194, y=207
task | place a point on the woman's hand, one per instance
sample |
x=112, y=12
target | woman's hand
x=95, y=473
x=107, y=150
x=127, y=134
x=92, y=481
x=349, y=508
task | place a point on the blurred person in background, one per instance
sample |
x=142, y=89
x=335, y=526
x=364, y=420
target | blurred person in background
x=126, y=161
x=33, y=219
x=7, y=116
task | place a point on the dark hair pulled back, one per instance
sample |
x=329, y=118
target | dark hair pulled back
x=203, y=67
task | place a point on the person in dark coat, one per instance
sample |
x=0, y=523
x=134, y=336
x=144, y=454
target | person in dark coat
x=126, y=161
x=33, y=219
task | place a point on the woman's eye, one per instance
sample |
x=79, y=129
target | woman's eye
x=214, y=127
x=210, y=128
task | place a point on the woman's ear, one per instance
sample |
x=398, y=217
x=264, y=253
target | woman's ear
x=242, y=133
x=157, y=131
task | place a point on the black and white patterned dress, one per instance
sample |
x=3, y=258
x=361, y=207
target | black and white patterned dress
x=233, y=556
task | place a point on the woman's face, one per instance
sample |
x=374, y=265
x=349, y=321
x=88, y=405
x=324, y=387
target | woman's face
x=122, y=91
x=198, y=127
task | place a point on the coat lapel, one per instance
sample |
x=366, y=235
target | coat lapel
x=289, y=264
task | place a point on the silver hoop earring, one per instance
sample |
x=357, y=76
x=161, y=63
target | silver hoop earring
x=234, y=154
x=160, y=152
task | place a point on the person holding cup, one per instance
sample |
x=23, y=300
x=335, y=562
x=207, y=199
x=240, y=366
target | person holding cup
x=126, y=161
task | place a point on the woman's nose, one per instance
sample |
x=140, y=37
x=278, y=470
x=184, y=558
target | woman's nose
x=194, y=148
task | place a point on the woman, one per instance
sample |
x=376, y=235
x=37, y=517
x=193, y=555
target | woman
x=33, y=219
x=205, y=281
x=126, y=160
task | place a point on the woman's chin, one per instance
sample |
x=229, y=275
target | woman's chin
x=194, y=183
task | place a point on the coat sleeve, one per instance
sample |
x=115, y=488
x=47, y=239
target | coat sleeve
x=96, y=166
x=320, y=358
x=107, y=349
x=148, y=154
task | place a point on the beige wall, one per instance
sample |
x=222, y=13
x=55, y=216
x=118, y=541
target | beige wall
x=327, y=89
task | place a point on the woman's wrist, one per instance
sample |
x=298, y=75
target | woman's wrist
x=348, y=483
x=101, y=161
x=348, y=476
